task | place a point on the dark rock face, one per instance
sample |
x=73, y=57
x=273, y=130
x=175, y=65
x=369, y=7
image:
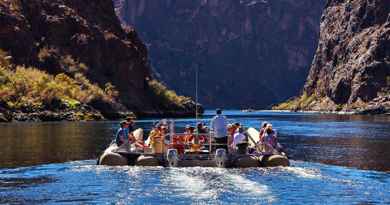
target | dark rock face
x=351, y=68
x=249, y=53
x=72, y=35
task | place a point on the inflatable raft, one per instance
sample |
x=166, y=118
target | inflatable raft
x=124, y=155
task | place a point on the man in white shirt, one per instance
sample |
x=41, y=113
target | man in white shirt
x=219, y=127
x=239, y=137
x=240, y=141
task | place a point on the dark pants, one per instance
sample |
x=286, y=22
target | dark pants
x=221, y=140
x=242, y=148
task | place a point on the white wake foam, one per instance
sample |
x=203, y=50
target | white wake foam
x=304, y=172
x=249, y=187
x=191, y=186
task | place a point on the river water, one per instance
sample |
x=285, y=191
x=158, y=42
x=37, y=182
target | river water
x=336, y=159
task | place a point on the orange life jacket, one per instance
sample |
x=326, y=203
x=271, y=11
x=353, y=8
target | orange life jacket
x=178, y=139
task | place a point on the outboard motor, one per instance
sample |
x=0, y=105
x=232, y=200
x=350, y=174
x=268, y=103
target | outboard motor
x=220, y=157
x=172, y=157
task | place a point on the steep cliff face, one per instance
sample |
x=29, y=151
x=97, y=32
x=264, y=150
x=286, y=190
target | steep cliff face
x=76, y=36
x=249, y=53
x=351, y=68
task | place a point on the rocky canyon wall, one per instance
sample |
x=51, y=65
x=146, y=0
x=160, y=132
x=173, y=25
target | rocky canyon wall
x=351, y=68
x=250, y=53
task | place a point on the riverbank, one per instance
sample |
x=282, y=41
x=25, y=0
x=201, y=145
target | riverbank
x=333, y=112
x=314, y=104
x=84, y=114
x=315, y=112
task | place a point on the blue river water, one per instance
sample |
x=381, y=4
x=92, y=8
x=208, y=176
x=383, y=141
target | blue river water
x=335, y=159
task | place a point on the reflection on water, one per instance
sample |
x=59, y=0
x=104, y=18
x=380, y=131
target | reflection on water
x=23, y=182
x=35, y=143
x=302, y=183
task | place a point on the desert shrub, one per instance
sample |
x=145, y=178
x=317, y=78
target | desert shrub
x=14, y=5
x=67, y=62
x=288, y=105
x=301, y=102
x=72, y=66
x=4, y=59
x=305, y=100
x=166, y=95
x=31, y=88
x=110, y=91
x=46, y=53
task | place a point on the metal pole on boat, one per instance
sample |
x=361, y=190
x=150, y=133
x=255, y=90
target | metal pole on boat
x=209, y=143
x=171, y=130
x=196, y=93
x=196, y=101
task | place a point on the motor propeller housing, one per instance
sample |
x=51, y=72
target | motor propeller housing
x=172, y=157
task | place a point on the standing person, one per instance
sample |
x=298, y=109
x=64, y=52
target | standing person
x=219, y=127
x=121, y=135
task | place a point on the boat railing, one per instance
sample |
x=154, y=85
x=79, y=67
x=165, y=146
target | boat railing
x=170, y=139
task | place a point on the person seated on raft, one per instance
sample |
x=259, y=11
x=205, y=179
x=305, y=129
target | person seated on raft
x=122, y=134
x=262, y=129
x=261, y=134
x=240, y=141
x=231, y=130
x=155, y=131
x=179, y=142
x=157, y=138
x=202, y=131
x=191, y=139
x=218, y=127
x=189, y=134
x=139, y=143
x=269, y=140
x=230, y=133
